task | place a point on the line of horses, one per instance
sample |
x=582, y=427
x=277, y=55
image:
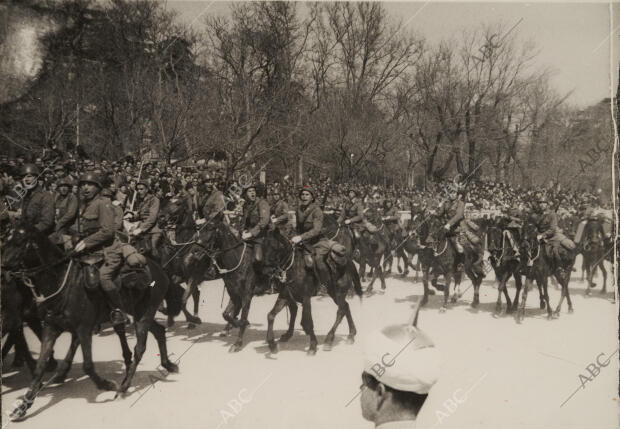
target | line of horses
x=43, y=284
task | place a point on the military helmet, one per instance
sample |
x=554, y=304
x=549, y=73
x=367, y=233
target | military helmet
x=309, y=189
x=354, y=191
x=65, y=181
x=29, y=169
x=91, y=177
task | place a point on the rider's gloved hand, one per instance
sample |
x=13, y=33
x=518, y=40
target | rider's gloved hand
x=136, y=231
x=346, y=222
x=447, y=227
x=539, y=237
x=246, y=235
x=296, y=239
x=200, y=221
x=80, y=247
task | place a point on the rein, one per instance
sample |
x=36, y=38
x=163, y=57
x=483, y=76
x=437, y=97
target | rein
x=40, y=299
x=444, y=249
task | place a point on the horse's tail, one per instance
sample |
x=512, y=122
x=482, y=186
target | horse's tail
x=357, y=284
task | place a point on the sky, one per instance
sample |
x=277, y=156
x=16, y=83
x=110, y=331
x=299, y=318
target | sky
x=573, y=38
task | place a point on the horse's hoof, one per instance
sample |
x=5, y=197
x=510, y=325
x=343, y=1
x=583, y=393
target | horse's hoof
x=273, y=346
x=191, y=326
x=109, y=385
x=382, y=287
x=475, y=303
x=424, y=301
x=19, y=411
x=193, y=319
x=453, y=299
x=542, y=305
x=224, y=333
x=556, y=314
x=328, y=347
x=312, y=350
x=234, y=348
x=171, y=367
x=570, y=310
x=285, y=337
x=443, y=309
x=170, y=323
x=549, y=316
x=350, y=339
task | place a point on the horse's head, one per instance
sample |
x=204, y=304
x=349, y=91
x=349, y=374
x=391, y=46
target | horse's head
x=436, y=234
x=23, y=247
x=276, y=248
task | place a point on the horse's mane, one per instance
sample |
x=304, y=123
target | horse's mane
x=46, y=246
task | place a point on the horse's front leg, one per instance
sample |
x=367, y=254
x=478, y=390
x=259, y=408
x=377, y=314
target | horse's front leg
x=308, y=325
x=446, y=292
x=271, y=317
x=50, y=334
x=246, y=300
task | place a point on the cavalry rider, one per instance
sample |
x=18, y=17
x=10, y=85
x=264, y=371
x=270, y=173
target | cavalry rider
x=547, y=225
x=254, y=222
x=513, y=229
x=309, y=218
x=66, y=211
x=458, y=229
x=372, y=217
x=353, y=212
x=279, y=218
x=391, y=220
x=215, y=202
x=146, y=213
x=96, y=228
x=37, y=207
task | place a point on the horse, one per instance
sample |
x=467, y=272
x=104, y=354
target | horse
x=234, y=259
x=299, y=284
x=18, y=307
x=505, y=263
x=449, y=262
x=371, y=249
x=594, y=250
x=59, y=287
x=534, y=268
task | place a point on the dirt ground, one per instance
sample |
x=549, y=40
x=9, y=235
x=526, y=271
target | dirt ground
x=495, y=373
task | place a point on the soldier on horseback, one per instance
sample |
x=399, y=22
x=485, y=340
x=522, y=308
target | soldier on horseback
x=309, y=218
x=37, y=207
x=96, y=228
x=279, y=218
x=458, y=228
x=146, y=213
x=254, y=222
x=66, y=212
x=548, y=230
x=390, y=218
x=353, y=213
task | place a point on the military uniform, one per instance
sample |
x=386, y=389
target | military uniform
x=354, y=213
x=148, y=212
x=280, y=217
x=255, y=220
x=547, y=225
x=38, y=210
x=66, y=212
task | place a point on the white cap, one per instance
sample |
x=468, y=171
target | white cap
x=403, y=358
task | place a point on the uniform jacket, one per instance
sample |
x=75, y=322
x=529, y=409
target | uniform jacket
x=256, y=217
x=97, y=225
x=352, y=211
x=373, y=214
x=310, y=222
x=280, y=210
x=391, y=214
x=454, y=211
x=547, y=224
x=66, y=211
x=214, y=204
x=38, y=210
x=148, y=210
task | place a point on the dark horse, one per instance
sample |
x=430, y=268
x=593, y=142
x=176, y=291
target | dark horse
x=534, y=268
x=58, y=285
x=234, y=259
x=594, y=250
x=299, y=284
x=449, y=262
x=505, y=264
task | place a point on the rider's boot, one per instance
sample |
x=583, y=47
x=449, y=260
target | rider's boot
x=118, y=315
